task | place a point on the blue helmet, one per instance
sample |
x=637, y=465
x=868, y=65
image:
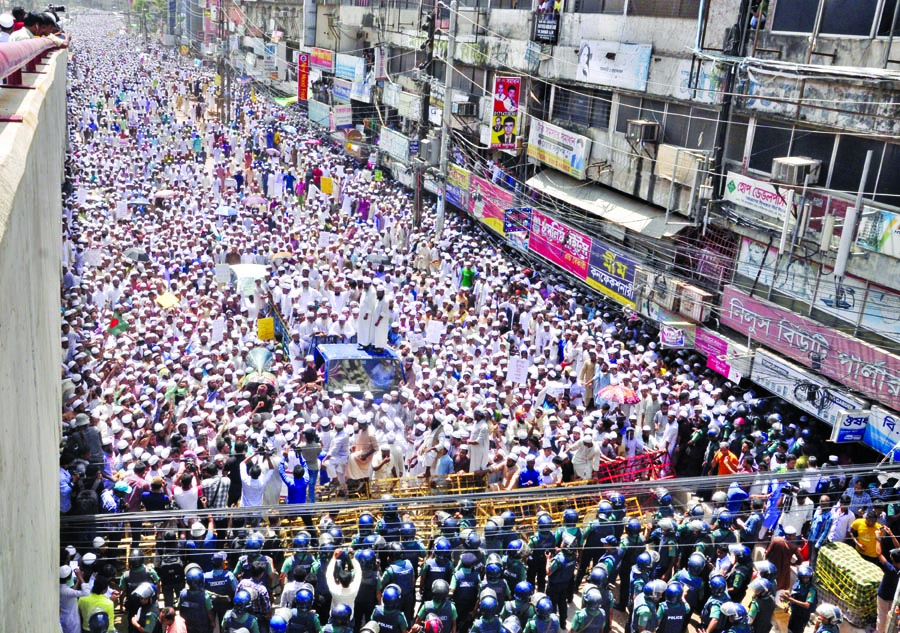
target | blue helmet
x=366, y=558
x=655, y=590
x=491, y=529
x=366, y=523
x=241, y=601
x=697, y=511
x=194, y=579
x=277, y=624
x=98, y=622
x=390, y=506
x=515, y=549
x=544, y=522
x=804, y=572
x=570, y=517
x=633, y=527
x=450, y=527
x=725, y=520
x=766, y=570
x=544, y=608
x=301, y=541
x=674, y=592
x=644, y=562
x=696, y=563
x=599, y=576
x=718, y=585
x=391, y=597
x=493, y=571
x=743, y=555
x=488, y=607
x=341, y=614
x=304, y=599
x=592, y=599
x=735, y=611
x=407, y=530
x=337, y=534
x=255, y=541
x=442, y=548
x=605, y=507
x=372, y=541
x=509, y=519
x=665, y=499
x=473, y=541
x=617, y=500
x=523, y=591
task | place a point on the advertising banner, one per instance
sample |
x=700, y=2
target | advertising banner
x=343, y=116
x=546, y=28
x=302, y=76
x=879, y=231
x=611, y=273
x=717, y=350
x=322, y=58
x=458, y=186
x=380, y=68
x=784, y=380
x=505, y=118
x=487, y=202
x=559, y=243
x=883, y=430
x=765, y=198
x=319, y=113
x=517, y=220
x=850, y=426
x=394, y=143
x=839, y=356
x=349, y=67
x=563, y=150
x=340, y=90
x=616, y=64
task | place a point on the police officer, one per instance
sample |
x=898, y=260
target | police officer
x=467, y=518
x=561, y=574
x=365, y=526
x=437, y=567
x=494, y=580
x=599, y=579
x=639, y=576
x=674, y=614
x=389, y=524
x=711, y=619
x=762, y=606
x=319, y=570
x=220, y=585
x=301, y=558
x=339, y=622
x=830, y=618
x=544, y=620
x=722, y=533
x=596, y=531
x=632, y=543
x=401, y=572
x=802, y=599
x=508, y=532
x=541, y=544
x=439, y=606
x=590, y=618
x=195, y=605
x=668, y=549
x=303, y=618
x=644, y=619
x=488, y=620
x=741, y=573
x=520, y=606
x=369, y=587
x=147, y=616
x=137, y=574
x=736, y=615
x=691, y=578
x=413, y=549
x=493, y=541
x=514, y=570
x=465, y=587
x=388, y=614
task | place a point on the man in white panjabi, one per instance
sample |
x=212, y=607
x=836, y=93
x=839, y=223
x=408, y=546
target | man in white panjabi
x=364, y=329
x=381, y=319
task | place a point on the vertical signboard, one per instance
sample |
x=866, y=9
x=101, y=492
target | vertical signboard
x=458, y=186
x=505, y=119
x=303, y=77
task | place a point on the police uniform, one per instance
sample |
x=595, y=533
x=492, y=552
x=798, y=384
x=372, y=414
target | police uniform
x=195, y=607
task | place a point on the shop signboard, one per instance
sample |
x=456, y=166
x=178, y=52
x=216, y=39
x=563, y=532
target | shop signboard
x=559, y=243
x=558, y=148
x=611, y=273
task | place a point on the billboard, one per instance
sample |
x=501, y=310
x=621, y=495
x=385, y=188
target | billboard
x=488, y=202
x=614, y=64
x=394, y=143
x=559, y=243
x=349, y=67
x=340, y=90
x=505, y=115
x=557, y=147
x=322, y=58
x=302, y=76
x=611, y=273
x=768, y=199
x=883, y=430
x=319, y=113
x=343, y=116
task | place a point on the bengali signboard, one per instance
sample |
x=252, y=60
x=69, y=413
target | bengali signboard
x=616, y=64
x=302, y=76
x=718, y=352
x=487, y=202
x=781, y=378
x=319, y=113
x=343, y=116
x=517, y=220
x=841, y=357
x=394, y=143
x=340, y=90
x=559, y=243
x=850, y=426
x=557, y=147
x=546, y=28
x=611, y=273
x=765, y=198
x=883, y=430
x=505, y=117
x=349, y=67
x=322, y=58
x=458, y=186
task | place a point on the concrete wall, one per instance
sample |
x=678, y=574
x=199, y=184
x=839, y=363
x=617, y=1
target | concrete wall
x=31, y=166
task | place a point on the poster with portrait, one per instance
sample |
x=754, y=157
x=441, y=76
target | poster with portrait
x=505, y=116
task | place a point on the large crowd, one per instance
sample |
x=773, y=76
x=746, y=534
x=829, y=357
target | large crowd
x=160, y=414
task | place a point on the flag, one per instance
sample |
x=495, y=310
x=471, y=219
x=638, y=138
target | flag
x=117, y=325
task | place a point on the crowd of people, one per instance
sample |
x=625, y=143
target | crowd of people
x=159, y=413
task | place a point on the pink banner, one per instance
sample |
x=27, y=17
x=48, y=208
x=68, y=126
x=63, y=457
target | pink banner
x=713, y=348
x=848, y=360
x=488, y=202
x=560, y=244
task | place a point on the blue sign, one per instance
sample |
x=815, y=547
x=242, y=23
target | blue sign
x=883, y=430
x=340, y=90
x=851, y=427
x=414, y=147
x=517, y=220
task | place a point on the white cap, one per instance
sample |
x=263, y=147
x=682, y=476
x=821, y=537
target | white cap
x=7, y=21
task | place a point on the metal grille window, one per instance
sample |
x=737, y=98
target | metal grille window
x=586, y=107
x=665, y=8
x=600, y=6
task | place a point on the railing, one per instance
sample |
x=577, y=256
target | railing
x=17, y=58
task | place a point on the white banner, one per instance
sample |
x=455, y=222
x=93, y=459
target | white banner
x=557, y=147
x=763, y=197
x=394, y=143
x=614, y=64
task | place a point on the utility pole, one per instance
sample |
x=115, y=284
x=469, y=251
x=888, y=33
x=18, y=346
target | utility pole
x=222, y=68
x=429, y=15
x=446, y=119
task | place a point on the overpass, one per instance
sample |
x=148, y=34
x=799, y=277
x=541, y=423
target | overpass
x=32, y=153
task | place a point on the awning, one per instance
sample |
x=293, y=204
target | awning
x=607, y=204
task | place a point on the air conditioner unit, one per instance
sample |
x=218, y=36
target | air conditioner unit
x=368, y=20
x=664, y=290
x=464, y=108
x=430, y=150
x=695, y=303
x=793, y=170
x=642, y=131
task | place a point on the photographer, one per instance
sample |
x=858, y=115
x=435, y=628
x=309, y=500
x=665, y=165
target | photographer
x=309, y=452
x=253, y=482
x=298, y=483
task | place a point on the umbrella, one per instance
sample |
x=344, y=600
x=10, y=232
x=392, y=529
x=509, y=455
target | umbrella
x=137, y=254
x=619, y=394
x=313, y=141
x=271, y=151
x=290, y=129
x=226, y=211
x=139, y=201
x=165, y=193
x=251, y=200
x=281, y=255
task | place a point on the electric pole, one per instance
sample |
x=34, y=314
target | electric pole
x=429, y=14
x=222, y=68
x=446, y=119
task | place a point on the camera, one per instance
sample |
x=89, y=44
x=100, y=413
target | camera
x=56, y=8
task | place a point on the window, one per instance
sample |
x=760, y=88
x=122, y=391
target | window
x=703, y=128
x=770, y=140
x=629, y=108
x=665, y=8
x=888, y=191
x=511, y=4
x=818, y=145
x=600, y=6
x=678, y=122
x=736, y=139
x=653, y=110
x=839, y=17
x=887, y=17
x=586, y=107
x=851, y=156
x=469, y=79
x=848, y=17
x=797, y=16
